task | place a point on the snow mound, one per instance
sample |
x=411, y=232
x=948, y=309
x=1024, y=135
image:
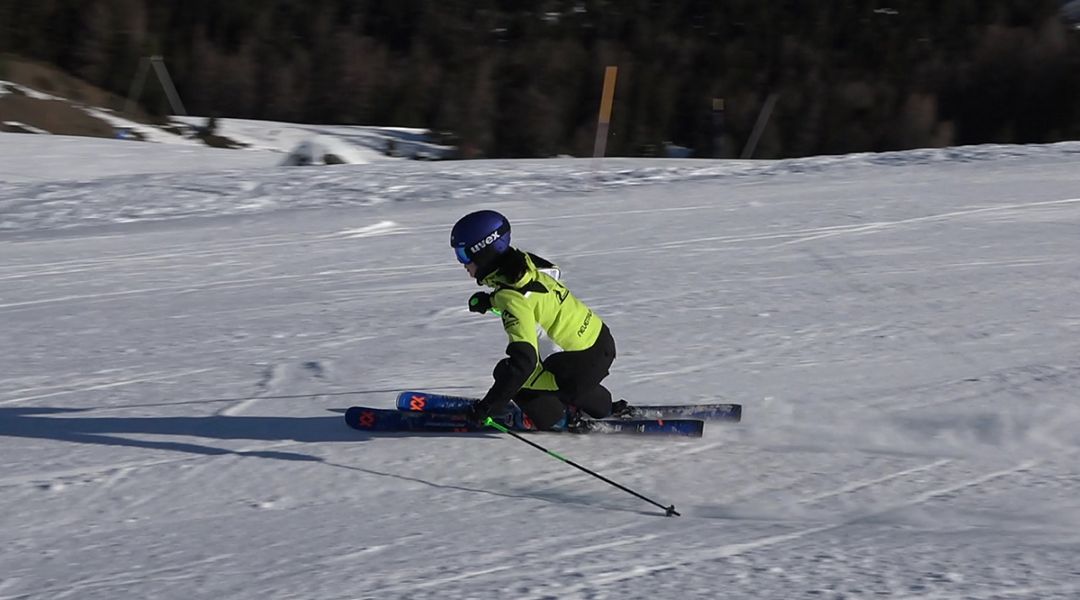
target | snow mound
x=325, y=150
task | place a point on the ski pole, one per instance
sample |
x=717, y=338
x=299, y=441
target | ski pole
x=668, y=510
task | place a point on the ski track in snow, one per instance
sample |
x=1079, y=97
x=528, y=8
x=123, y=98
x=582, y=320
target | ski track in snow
x=103, y=383
x=727, y=551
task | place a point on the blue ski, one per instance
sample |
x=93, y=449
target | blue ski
x=390, y=420
x=411, y=401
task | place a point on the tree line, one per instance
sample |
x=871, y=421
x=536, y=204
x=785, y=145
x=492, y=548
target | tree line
x=522, y=79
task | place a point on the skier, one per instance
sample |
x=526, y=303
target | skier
x=550, y=391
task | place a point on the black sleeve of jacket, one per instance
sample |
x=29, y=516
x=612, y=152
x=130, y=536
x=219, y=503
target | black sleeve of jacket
x=510, y=374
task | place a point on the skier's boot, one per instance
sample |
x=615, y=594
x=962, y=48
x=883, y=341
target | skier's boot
x=576, y=421
x=621, y=409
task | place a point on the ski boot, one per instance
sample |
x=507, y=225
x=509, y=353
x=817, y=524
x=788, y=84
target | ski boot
x=574, y=422
x=621, y=409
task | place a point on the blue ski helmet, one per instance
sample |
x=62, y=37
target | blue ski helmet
x=480, y=237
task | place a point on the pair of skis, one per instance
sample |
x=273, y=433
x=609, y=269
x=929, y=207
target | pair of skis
x=423, y=411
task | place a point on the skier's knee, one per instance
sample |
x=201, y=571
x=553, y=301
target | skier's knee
x=596, y=402
x=501, y=370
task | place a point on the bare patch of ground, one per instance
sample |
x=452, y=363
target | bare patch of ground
x=57, y=116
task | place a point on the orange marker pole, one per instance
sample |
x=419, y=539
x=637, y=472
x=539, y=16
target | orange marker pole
x=606, y=99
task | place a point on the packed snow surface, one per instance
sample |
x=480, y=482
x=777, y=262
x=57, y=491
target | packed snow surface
x=181, y=330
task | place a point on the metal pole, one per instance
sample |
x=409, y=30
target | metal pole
x=718, y=127
x=759, y=127
x=166, y=82
x=668, y=510
x=136, y=87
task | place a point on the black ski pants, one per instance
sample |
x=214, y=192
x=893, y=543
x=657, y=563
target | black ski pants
x=578, y=374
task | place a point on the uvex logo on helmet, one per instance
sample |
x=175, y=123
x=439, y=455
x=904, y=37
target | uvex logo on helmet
x=478, y=246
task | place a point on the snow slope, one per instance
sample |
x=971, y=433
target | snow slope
x=902, y=329
x=46, y=160
x=367, y=144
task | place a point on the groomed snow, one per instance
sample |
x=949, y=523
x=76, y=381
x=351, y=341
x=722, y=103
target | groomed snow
x=182, y=329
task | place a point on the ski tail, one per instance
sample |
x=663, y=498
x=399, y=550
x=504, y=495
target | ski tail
x=708, y=412
x=676, y=427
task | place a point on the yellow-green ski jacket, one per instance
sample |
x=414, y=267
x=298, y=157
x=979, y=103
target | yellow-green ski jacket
x=527, y=298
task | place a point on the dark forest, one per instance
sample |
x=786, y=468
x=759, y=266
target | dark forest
x=523, y=79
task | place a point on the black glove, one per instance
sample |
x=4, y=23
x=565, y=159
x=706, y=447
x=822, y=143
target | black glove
x=480, y=302
x=479, y=412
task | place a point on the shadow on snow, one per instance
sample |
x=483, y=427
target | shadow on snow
x=68, y=425
x=71, y=425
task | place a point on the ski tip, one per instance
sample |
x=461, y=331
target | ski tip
x=671, y=512
x=352, y=414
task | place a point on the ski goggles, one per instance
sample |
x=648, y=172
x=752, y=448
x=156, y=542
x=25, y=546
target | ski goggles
x=463, y=258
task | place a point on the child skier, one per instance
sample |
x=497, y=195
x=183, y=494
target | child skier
x=550, y=391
